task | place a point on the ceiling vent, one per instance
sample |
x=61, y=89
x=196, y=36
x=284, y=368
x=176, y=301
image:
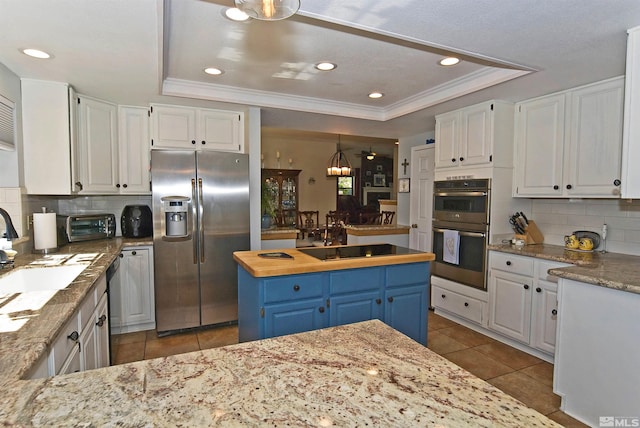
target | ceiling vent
x=7, y=124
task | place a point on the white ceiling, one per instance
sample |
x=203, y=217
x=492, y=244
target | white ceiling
x=141, y=51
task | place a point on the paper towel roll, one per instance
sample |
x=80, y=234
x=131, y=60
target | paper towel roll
x=44, y=231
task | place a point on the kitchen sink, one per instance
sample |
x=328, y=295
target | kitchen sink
x=26, y=280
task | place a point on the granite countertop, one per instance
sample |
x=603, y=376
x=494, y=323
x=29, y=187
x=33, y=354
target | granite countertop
x=302, y=263
x=352, y=375
x=611, y=270
x=20, y=349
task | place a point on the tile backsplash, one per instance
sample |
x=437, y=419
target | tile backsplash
x=559, y=217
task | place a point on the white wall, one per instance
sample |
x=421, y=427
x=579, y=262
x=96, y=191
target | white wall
x=404, y=152
x=559, y=217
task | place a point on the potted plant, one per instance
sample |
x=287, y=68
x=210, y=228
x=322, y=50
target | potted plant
x=266, y=204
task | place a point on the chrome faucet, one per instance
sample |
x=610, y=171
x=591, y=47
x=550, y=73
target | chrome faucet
x=10, y=231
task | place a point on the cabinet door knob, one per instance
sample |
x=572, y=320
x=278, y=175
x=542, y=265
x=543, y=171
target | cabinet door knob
x=74, y=336
x=508, y=262
x=379, y=301
x=124, y=185
x=453, y=159
x=538, y=290
x=461, y=159
x=390, y=299
x=133, y=253
x=466, y=304
x=118, y=185
x=101, y=320
x=321, y=309
x=203, y=142
x=296, y=287
x=526, y=287
x=617, y=182
x=121, y=255
x=78, y=184
x=556, y=187
x=193, y=141
x=554, y=312
x=569, y=186
x=443, y=296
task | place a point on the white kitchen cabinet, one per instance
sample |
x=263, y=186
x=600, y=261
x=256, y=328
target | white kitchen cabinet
x=177, y=127
x=478, y=135
x=631, y=130
x=522, y=299
x=132, y=297
x=97, y=146
x=49, y=137
x=133, y=150
x=83, y=343
x=466, y=304
x=569, y=144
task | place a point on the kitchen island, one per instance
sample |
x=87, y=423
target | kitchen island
x=353, y=375
x=289, y=291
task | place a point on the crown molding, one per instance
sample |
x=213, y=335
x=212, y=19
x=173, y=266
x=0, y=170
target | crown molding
x=472, y=82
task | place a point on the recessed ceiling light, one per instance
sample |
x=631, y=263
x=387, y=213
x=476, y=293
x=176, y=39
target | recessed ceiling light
x=213, y=71
x=35, y=53
x=235, y=14
x=325, y=66
x=452, y=60
x=376, y=95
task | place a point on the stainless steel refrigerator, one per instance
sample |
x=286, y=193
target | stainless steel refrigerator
x=200, y=217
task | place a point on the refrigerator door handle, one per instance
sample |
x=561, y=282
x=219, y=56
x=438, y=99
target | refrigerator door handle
x=193, y=214
x=200, y=219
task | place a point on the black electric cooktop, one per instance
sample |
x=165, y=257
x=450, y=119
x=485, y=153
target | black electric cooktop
x=337, y=253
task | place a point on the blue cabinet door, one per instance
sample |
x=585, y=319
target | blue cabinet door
x=406, y=311
x=356, y=307
x=294, y=317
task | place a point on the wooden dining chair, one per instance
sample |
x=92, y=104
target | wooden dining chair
x=309, y=223
x=338, y=217
x=371, y=218
x=387, y=217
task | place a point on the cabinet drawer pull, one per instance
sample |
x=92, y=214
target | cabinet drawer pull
x=508, y=262
x=296, y=287
x=466, y=304
x=101, y=320
x=390, y=299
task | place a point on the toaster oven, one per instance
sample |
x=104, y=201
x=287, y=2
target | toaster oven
x=85, y=227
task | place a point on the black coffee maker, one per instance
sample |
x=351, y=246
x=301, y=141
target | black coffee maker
x=136, y=221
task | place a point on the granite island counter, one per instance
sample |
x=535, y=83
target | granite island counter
x=290, y=291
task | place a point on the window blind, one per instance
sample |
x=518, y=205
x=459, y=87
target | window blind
x=7, y=125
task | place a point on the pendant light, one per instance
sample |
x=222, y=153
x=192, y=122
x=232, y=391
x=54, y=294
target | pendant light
x=339, y=165
x=268, y=10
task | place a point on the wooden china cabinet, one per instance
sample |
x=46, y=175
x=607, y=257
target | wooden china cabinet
x=284, y=188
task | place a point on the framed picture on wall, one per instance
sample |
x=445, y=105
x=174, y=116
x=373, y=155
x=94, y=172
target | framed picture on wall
x=379, y=180
x=404, y=185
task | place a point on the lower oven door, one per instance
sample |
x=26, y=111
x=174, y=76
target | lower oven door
x=471, y=267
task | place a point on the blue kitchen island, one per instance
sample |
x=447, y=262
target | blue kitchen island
x=290, y=291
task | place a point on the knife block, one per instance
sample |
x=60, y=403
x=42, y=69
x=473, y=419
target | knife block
x=532, y=234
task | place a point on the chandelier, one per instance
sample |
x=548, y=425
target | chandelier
x=339, y=165
x=268, y=10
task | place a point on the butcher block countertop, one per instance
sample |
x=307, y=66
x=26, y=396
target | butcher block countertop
x=372, y=230
x=363, y=374
x=610, y=270
x=258, y=266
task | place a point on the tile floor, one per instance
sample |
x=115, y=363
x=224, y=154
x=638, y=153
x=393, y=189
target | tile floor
x=519, y=374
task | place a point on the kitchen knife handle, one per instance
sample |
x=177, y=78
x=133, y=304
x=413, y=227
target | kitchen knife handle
x=200, y=221
x=193, y=214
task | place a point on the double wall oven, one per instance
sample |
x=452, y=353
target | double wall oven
x=461, y=207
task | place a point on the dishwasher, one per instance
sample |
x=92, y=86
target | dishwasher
x=113, y=280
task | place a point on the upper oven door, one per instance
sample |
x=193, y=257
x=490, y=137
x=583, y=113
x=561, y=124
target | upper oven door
x=460, y=204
